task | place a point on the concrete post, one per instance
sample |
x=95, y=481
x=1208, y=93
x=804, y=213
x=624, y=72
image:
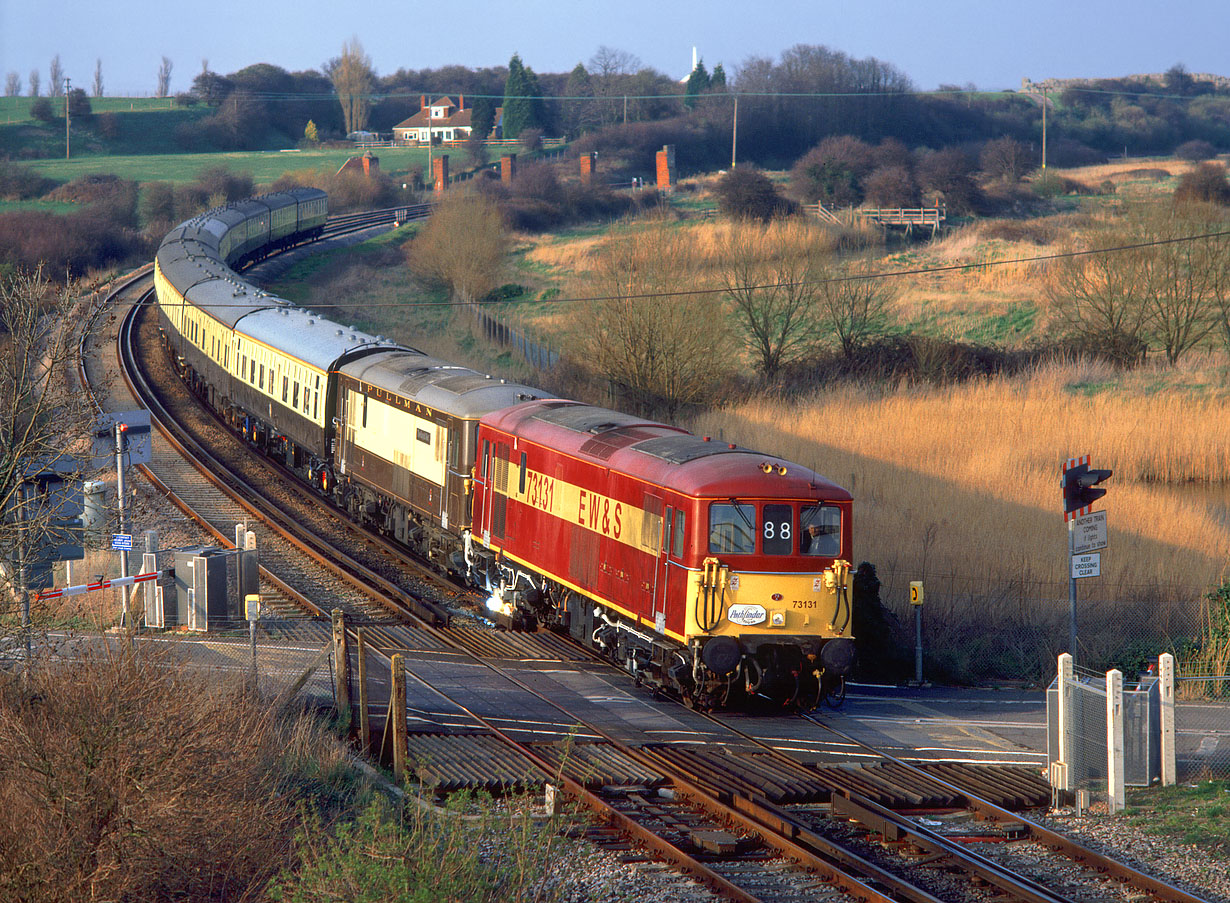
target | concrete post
x=1065, y=721
x=1165, y=670
x=1114, y=741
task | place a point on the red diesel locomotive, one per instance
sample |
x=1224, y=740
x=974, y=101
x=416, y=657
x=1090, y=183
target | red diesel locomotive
x=705, y=569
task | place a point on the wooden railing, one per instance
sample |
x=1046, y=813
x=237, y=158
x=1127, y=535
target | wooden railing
x=931, y=217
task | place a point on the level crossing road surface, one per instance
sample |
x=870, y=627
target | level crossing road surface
x=943, y=724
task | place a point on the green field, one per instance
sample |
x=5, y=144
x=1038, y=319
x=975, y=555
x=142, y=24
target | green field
x=16, y=110
x=264, y=166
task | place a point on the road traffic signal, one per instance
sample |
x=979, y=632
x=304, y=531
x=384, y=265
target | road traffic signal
x=1079, y=488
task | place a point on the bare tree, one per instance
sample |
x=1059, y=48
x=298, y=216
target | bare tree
x=98, y=79
x=42, y=413
x=1098, y=298
x=1007, y=159
x=854, y=305
x=164, y=77
x=34, y=82
x=55, y=78
x=662, y=349
x=611, y=71
x=1184, y=280
x=770, y=273
x=353, y=78
x=12, y=85
x=462, y=246
x=1163, y=278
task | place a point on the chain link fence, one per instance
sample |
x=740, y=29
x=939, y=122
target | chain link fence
x=291, y=660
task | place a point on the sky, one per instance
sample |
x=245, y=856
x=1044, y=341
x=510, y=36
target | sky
x=987, y=43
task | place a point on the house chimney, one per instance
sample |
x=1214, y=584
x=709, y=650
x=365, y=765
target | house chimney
x=461, y=102
x=422, y=101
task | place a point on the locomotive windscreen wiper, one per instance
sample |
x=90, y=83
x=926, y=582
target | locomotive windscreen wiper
x=743, y=517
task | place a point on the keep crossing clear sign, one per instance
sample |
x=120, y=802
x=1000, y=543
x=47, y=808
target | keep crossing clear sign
x=1088, y=565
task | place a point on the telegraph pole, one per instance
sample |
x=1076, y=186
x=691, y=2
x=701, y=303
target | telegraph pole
x=734, y=134
x=68, y=84
x=1044, y=134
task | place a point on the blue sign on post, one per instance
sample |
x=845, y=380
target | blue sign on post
x=121, y=542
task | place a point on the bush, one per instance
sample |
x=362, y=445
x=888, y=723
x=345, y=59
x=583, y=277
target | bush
x=216, y=181
x=746, y=193
x=108, y=125
x=1066, y=152
x=1207, y=183
x=832, y=172
x=141, y=784
x=473, y=851
x=1196, y=151
x=42, y=110
x=891, y=186
x=19, y=183
x=74, y=244
x=947, y=177
x=1007, y=159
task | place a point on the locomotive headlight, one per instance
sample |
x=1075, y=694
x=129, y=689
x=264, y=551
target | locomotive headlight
x=777, y=619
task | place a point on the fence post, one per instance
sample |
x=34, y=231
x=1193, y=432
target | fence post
x=397, y=706
x=1165, y=670
x=341, y=662
x=365, y=727
x=1064, y=705
x=1114, y=741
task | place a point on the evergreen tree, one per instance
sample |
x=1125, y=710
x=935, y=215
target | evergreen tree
x=717, y=81
x=482, y=118
x=523, y=107
x=579, y=108
x=698, y=84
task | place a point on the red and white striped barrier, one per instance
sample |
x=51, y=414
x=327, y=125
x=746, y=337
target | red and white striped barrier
x=92, y=587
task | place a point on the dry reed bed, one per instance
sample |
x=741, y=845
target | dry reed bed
x=964, y=480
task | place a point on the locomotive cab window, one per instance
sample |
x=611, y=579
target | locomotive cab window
x=732, y=528
x=820, y=530
x=677, y=534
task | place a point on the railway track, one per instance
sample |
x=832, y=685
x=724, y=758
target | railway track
x=738, y=830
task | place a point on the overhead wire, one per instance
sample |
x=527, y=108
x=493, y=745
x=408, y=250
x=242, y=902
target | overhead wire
x=852, y=277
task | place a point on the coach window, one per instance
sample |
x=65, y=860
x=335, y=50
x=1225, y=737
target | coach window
x=285, y=388
x=260, y=384
x=732, y=528
x=820, y=530
x=295, y=396
x=677, y=534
